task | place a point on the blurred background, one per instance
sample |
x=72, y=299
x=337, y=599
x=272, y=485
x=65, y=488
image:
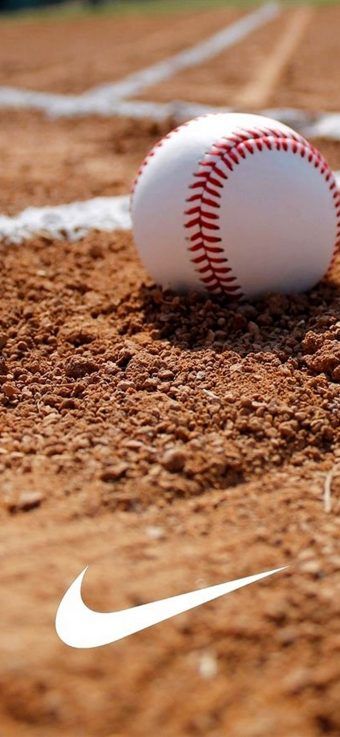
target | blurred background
x=14, y=5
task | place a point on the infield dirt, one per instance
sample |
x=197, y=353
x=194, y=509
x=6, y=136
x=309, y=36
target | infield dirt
x=82, y=158
x=169, y=443
x=72, y=56
x=309, y=79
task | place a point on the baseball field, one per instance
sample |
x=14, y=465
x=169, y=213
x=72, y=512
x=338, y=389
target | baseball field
x=167, y=442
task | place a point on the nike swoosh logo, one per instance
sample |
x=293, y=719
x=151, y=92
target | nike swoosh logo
x=81, y=627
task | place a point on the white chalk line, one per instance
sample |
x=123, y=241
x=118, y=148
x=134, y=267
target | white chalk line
x=109, y=99
x=73, y=106
x=67, y=222
x=71, y=222
x=229, y=36
x=325, y=125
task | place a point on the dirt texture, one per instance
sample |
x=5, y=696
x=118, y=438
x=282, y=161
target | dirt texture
x=230, y=70
x=82, y=158
x=309, y=81
x=73, y=56
x=171, y=443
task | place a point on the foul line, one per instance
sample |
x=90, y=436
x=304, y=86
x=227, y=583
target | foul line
x=229, y=36
x=71, y=222
x=258, y=91
x=103, y=99
x=107, y=100
x=67, y=222
x=324, y=125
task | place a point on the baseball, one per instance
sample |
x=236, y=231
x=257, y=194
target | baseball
x=235, y=204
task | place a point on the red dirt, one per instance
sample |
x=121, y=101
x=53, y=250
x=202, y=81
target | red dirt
x=310, y=81
x=83, y=158
x=101, y=377
x=72, y=56
x=168, y=442
x=229, y=71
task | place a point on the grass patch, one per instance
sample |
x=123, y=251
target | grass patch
x=79, y=9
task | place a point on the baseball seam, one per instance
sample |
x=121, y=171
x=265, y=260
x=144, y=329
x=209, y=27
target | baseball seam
x=155, y=148
x=213, y=269
x=203, y=228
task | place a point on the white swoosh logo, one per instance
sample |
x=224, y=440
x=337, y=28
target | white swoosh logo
x=81, y=627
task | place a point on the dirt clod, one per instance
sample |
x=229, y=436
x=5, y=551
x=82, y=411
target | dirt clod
x=174, y=460
x=26, y=501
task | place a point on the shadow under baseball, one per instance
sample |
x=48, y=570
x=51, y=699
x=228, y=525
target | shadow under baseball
x=299, y=327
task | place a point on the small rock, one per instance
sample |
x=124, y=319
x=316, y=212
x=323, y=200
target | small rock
x=174, y=460
x=112, y=473
x=10, y=391
x=68, y=404
x=150, y=384
x=81, y=367
x=297, y=680
x=26, y=501
x=311, y=566
x=253, y=328
x=80, y=337
x=200, y=375
x=311, y=342
x=96, y=250
x=3, y=366
x=154, y=532
x=22, y=346
x=124, y=357
x=124, y=385
x=287, y=635
x=207, y=666
x=165, y=374
x=210, y=394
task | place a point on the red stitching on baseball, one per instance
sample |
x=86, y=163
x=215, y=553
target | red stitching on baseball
x=229, y=152
x=239, y=144
x=157, y=145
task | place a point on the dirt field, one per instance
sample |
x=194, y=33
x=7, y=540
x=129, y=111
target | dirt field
x=82, y=158
x=71, y=57
x=310, y=80
x=168, y=442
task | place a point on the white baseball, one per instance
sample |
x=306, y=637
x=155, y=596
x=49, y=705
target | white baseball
x=239, y=204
